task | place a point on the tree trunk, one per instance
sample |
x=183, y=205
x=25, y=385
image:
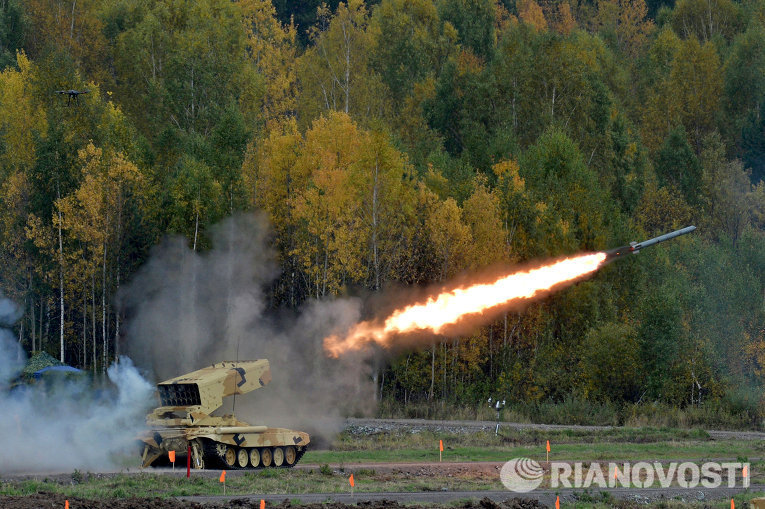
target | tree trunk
x=347, y=69
x=32, y=313
x=504, y=341
x=103, y=313
x=21, y=337
x=118, y=250
x=432, y=371
x=93, y=314
x=60, y=274
x=446, y=367
x=196, y=231
x=117, y=317
x=491, y=353
x=84, y=355
x=374, y=226
x=43, y=306
x=71, y=27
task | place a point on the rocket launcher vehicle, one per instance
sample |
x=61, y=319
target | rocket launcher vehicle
x=635, y=247
x=187, y=422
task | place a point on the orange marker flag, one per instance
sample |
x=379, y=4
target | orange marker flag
x=66, y=504
x=557, y=502
x=441, y=445
x=171, y=455
x=548, y=446
x=350, y=480
x=744, y=471
x=223, y=476
x=262, y=504
x=616, y=471
x=732, y=505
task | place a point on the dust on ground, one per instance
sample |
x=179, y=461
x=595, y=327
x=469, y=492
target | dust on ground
x=54, y=500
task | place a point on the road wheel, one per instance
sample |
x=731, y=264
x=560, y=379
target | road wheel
x=290, y=455
x=254, y=457
x=242, y=457
x=266, y=456
x=278, y=456
x=229, y=457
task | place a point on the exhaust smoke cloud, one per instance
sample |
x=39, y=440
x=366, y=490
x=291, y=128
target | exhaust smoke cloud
x=187, y=310
x=66, y=424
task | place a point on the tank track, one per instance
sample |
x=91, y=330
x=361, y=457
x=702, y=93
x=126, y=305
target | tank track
x=213, y=458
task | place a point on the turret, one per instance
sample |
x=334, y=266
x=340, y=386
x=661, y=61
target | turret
x=188, y=400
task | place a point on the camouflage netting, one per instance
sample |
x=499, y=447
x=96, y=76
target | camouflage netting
x=37, y=362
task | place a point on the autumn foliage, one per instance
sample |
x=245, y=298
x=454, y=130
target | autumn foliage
x=400, y=143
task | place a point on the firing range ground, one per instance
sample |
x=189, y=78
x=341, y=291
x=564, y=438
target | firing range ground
x=617, y=497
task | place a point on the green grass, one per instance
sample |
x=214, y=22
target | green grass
x=569, y=452
x=275, y=481
x=730, y=412
x=614, y=444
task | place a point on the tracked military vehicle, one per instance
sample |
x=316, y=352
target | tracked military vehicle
x=183, y=423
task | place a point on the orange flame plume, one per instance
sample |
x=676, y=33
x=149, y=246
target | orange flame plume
x=451, y=306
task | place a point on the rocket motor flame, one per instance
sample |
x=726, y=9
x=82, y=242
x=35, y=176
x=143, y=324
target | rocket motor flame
x=451, y=306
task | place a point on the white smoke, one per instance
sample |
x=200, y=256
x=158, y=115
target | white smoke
x=65, y=424
x=11, y=354
x=187, y=310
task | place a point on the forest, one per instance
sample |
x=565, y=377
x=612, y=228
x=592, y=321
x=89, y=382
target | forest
x=400, y=143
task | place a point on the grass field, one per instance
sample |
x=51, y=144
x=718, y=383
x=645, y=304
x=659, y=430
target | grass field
x=732, y=412
x=568, y=445
x=401, y=446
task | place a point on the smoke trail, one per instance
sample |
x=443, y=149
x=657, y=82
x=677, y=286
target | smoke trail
x=187, y=310
x=65, y=424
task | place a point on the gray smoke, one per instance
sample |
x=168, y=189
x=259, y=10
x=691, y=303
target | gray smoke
x=63, y=424
x=187, y=310
x=11, y=354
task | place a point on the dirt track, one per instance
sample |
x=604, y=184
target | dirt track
x=538, y=498
x=367, y=426
x=47, y=500
x=618, y=497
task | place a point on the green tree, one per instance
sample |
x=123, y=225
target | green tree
x=273, y=180
x=180, y=63
x=611, y=362
x=705, y=20
x=334, y=73
x=553, y=168
x=744, y=72
x=196, y=198
x=695, y=88
x=272, y=47
x=474, y=21
x=412, y=43
x=677, y=165
x=13, y=27
x=661, y=337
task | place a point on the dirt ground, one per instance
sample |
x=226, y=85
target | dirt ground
x=50, y=500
